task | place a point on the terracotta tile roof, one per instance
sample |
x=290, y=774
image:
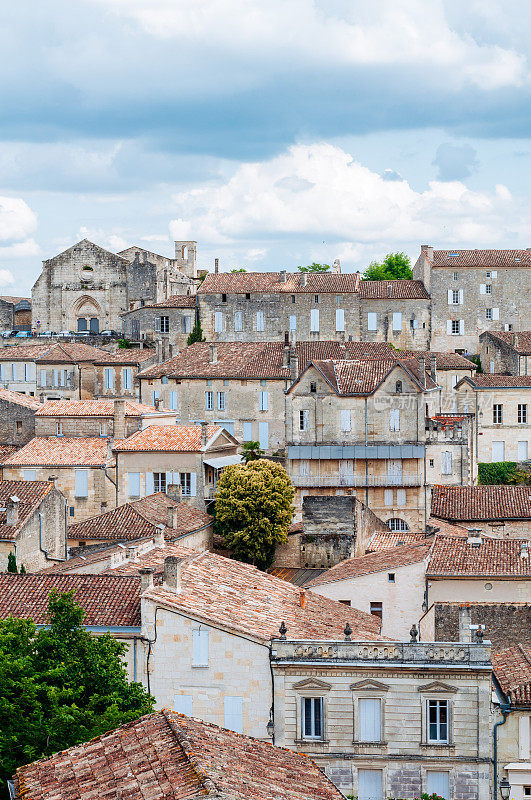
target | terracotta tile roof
x=481, y=502
x=133, y=355
x=385, y=540
x=60, y=451
x=512, y=668
x=106, y=599
x=443, y=360
x=167, y=755
x=392, y=558
x=448, y=420
x=258, y=359
x=140, y=518
x=394, y=290
x=30, y=495
x=446, y=528
x=153, y=558
x=493, y=380
x=8, y=298
x=90, y=408
x=167, y=438
x=19, y=399
x=175, y=301
x=363, y=377
x=23, y=352
x=502, y=558
x=242, y=282
x=298, y=576
x=478, y=259
x=5, y=451
x=70, y=353
x=520, y=341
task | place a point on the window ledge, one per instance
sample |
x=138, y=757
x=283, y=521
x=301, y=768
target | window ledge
x=312, y=741
x=438, y=745
x=201, y=666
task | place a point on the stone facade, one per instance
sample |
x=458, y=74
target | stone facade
x=411, y=331
x=451, y=451
x=175, y=317
x=498, y=356
x=18, y=421
x=15, y=313
x=503, y=622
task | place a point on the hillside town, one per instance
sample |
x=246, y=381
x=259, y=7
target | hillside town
x=295, y=506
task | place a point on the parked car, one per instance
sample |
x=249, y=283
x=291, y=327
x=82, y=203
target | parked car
x=8, y=334
x=23, y=334
x=47, y=333
x=109, y=333
x=66, y=333
x=83, y=333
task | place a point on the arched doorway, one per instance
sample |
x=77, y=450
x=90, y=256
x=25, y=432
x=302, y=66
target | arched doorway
x=82, y=324
x=86, y=315
x=94, y=325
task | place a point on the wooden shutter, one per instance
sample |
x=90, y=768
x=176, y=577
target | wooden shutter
x=370, y=719
x=233, y=713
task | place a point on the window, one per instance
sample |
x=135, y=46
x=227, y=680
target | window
x=398, y=387
x=376, y=609
x=312, y=717
x=497, y=413
x=155, y=395
x=263, y=435
x=488, y=288
x=133, y=484
x=260, y=324
x=446, y=462
x=292, y=322
x=455, y=327
x=397, y=320
x=292, y=298
x=340, y=319
x=238, y=321
x=313, y=387
x=109, y=377
x=18, y=427
x=263, y=383
x=173, y=400
x=218, y=322
x=304, y=420
x=314, y=320
x=55, y=377
x=209, y=401
x=522, y=451
x=388, y=497
x=183, y=704
x=345, y=420
x=159, y=482
x=397, y=524
x=456, y=276
x=200, y=657
x=394, y=419
x=263, y=399
x=414, y=324
x=438, y=783
x=43, y=376
x=487, y=274
x=247, y=431
x=522, y=413
x=370, y=784
x=401, y=497
x=59, y=428
x=186, y=324
x=162, y=324
x=455, y=297
x=488, y=313
x=127, y=378
x=186, y=484
x=221, y=401
x=391, y=577
x=370, y=722
x=29, y=475
x=316, y=298
x=81, y=482
x=432, y=462
x=438, y=721
x=103, y=428
x=247, y=295
x=233, y=714
x=372, y=321
x=498, y=451
x=223, y=298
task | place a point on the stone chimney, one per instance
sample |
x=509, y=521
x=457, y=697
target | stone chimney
x=216, y=266
x=173, y=491
x=422, y=371
x=204, y=433
x=304, y=278
x=433, y=367
x=294, y=366
x=283, y=276
x=119, y=419
x=146, y=578
x=213, y=354
x=158, y=537
x=465, y=619
x=12, y=510
x=173, y=513
x=285, y=356
x=515, y=341
x=172, y=573
x=302, y=598
x=157, y=403
x=165, y=346
x=41, y=397
x=53, y=480
x=336, y=267
x=427, y=250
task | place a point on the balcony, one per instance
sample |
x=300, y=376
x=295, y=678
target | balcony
x=317, y=481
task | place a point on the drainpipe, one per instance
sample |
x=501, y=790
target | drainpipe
x=114, y=483
x=505, y=709
x=366, y=459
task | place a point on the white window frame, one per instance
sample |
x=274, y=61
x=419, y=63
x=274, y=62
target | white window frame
x=314, y=320
x=200, y=648
x=522, y=413
x=209, y=400
x=263, y=400
x=438, y=704
x=316, y=733
x=221, y=401
x=340, y=319
x=304, y=419
x=364, y=703
x=238, y=321
x=372, y=321
x=81, y=483
x=127, y=378
x=109, y=377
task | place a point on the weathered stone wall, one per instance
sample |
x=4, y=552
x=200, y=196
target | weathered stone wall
x=505, y=623
x=83, y=426
x=17, y=424
x=36, y=549
x=496, y=356
x=7, y=315
x=141, y=324
x=415, y=331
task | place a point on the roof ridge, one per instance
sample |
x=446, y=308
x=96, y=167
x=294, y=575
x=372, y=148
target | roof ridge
x=188, y=750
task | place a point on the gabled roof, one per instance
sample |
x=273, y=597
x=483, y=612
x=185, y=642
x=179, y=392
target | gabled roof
x=443, y=361
x=393, y=290
x=168, y=438
x=152, y=558
x=363, y=376
x=384, y=540
x=9, y=298
x=239, y=597
x=106, y=599
x=477, y=259
x=512, y=668
x=5, y=451
x=453, y=556
x=258, y=359
x=91, y=408
x=19, y=399
x=174, y=301
x=23, y=352
x=69, y=353
x=242, y=282
x=30, y=495
x=519, y=341
x=84, y=242
x=60, y=451
x=460, y=503
x=167, y=755
x=384, y=560
x=496, y=381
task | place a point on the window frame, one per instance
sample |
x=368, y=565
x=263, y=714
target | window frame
x=522, y=413
x=438, y=740
x=313, y=701
x=497, y=413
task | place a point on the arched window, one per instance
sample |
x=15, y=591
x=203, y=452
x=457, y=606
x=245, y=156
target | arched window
x=397, y=524
x=398, y=387
x=87, y=268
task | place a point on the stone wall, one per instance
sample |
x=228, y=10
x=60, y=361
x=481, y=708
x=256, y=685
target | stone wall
x=416, y=327
x=141, y=323
x=37, y=548
x=18, y=423
x=505, y=623
x=83, y=426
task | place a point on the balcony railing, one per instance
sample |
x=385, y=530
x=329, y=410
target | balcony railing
x=355, y=480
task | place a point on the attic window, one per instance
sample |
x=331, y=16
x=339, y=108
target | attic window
x=87, y=268
x=391, y=577
x=398, y=387
x=247, y=295
x=313, y=387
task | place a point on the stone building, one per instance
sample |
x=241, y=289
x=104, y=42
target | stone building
x=174, y=317
x=103, y=418
x=15, y=313
x=501, y=511
x=451, y=457
x=473, y=291
x=448, y=369
x=32, y=524
x=87, y=287
x=506, y=352
x=501, y=409
x=17, y=412
x=398, y=312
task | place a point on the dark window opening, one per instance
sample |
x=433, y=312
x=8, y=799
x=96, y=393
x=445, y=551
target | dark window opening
x=376, y=609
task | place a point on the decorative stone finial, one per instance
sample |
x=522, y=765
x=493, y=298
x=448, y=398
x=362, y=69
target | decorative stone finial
x=348, y=632
x=414, y=633
x=282, y=630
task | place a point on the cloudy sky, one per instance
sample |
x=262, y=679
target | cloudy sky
x=274, y=132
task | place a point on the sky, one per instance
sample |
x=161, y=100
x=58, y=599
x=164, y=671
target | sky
x=273, y=132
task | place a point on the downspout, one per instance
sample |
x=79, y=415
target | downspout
x=505, y=710
x=134, y=658
x=477, y=424
x=366, y=459
x=114, y=483
x=272, y=710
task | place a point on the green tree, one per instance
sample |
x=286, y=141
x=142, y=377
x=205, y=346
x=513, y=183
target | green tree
x=22, y=569
x=60, y=686
x=251, y=451
x=314, y=267
x=12, y=562
x=196, y=334
x=254, y=510
x=239, y=269
x=395, y=266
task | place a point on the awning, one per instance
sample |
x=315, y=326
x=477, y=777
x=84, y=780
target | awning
x=224, y=461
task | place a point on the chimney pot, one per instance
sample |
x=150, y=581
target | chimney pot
x=53, y=479
x=336, y=268
x=294, y=366
x=12, y=510
x=302, y=598
x=146, y=578
x=119, y=419
x=304, y=278
x=283, y=276
x=173, y=513
x=433, y=367
x=158, y=537
x=172, y=573
x=204, y=433
x=285, y=356
x=216, y=266
x=422, y=371
x=41, y=397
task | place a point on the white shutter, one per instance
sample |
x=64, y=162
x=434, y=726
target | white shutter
x=173, y=400
x=522, y=451
x=450, y=297
x=482, y=288
x=460, y=297
x=438, y=783
x=400, y=497
x=370, y=784
x=394, y=419
x=340, y=319
x=150, y=484
x=345, y=420
x=127, y=377
x=200, y=655
x=492, y=366
x=31, y=474
x=370, y=720
x=449, y=327
x=397, y=320
x=134, y=484
x=238, y=321
x=372, y=321
x=157, y=324
x=247, y=431
x=292, y=322
x=32, y=371
x=498, y=451
x=263, y=435
x=263, y=401
x=314, y=320
x=461, y=327
x=446, y=462
x=524, y=737
x=218, y=321
x=56, y=377
x=43, y=376
x=494, y=274
x=233, y=713
x=259, y=320
x=495, y=313
x=2, y=372
x=81, y=482
x=183, y=704
x=193, y=484
x=388, y=497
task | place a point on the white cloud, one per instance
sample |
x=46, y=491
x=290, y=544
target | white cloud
x=17, y=220
x=6, y=278
x=24, y=249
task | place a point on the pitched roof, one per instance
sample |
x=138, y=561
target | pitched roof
x=60, y=451
x=520, y=341
x=443, y=361
x=167, y=438
x=503, y=558
x=481, y=502
x=106, y=599
x=153, y=558
x=30, y=495
x=477, y=259
x=5, y=451
x=70, y=352
x=361, y=377
x=132, y=355
x=90, y=408
x=384, y=540
x=167, y=755
x=237, y=596
x=493, y=380
x=370, y=563
x=512, y=668
x=393, y=290
x=175, y=301
x=9, y=298
x=23, y=352
x=139, y=518
x=19, y=399
x=242, y=282
x=446, y=528
x=258, y=359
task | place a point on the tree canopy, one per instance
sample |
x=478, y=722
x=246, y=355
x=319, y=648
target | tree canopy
x=315, y=267
x=60, y=686
x=395, y=266
x=251, y=451
x=254, y=509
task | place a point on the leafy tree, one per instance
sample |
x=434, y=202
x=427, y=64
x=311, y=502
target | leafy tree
x=60, y=686
x=314, y=267
x=498, y=472
x=124, y=344
x=251, y=451
x=395, y=266
x=12, y=562
x=22, y=569
x=240, y=269
x=196, y=334
x=254, y=509
x=477, y=361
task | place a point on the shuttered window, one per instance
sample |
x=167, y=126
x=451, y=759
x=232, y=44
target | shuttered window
x=200, y=655
x=345, y=420
x=314, y=320
x=340, y=319
x=370, y=719
x=81, y=482
x=233, y=713
x=133, y=484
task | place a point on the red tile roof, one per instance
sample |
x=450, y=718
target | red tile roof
x=133, y=355
x=5, y=451
x=19, y=399
x=370, y=563
x=90, y=408
x=30, y=495
x=453, y=556
x=478, y=259
x=481, y=502
x=492, y=380
x=153, y=558
x=106, y=599
x=443, y=360
x=520, y=341
x=384, y=540
x=258, y=359
x=393, y=290
x=12, y=299
x=167, y=755
x=264, y=282
x=60, y=451
x=175, y=301
x=238, y=596
x=23, y=352
x=446, y=528
x=512, y=668
x=70, y=353
x=167, y=438
x=363, y=377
